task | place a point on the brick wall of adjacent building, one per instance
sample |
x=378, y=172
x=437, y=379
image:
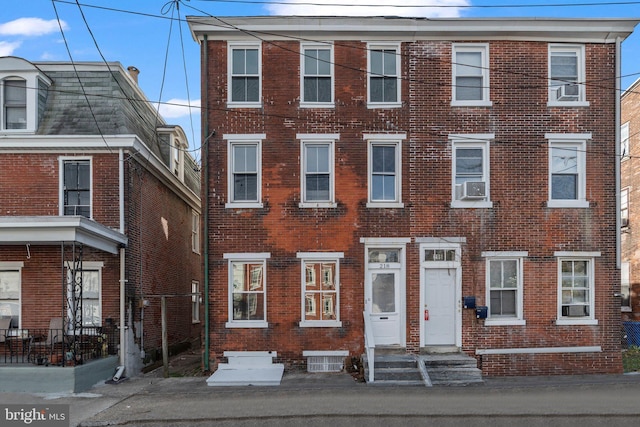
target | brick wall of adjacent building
x=518, y=221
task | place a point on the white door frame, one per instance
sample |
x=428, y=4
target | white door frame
x=456, y=265
x=391, y=243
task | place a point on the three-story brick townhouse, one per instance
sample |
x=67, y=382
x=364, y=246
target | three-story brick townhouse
x=99, y=220
x=422, y=185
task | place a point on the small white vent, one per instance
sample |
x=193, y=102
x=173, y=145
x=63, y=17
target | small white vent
x=568, y=92
x=473, y=190
x=325, y=363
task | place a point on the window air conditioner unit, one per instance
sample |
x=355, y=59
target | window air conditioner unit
x=624, y=222
x=568, y=92
x=473, y=190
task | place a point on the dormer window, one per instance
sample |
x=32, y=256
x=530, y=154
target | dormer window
x=177, y=158
x=14, y=104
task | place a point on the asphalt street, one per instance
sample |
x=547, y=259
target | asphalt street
x=337, y=400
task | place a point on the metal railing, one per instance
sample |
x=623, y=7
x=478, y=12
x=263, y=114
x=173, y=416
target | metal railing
x=369, y=345
x=54, y=347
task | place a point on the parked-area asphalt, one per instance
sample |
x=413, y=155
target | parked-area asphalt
x=337, y=399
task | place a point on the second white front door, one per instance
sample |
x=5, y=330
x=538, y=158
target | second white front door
x=439, y=311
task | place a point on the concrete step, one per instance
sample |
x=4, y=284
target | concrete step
x=452, y=369
x=398, y=374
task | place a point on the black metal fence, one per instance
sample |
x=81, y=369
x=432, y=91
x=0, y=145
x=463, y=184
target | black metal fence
x=53, y=347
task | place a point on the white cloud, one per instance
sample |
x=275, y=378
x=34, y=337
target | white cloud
x=410, y=8
x=175, y=108
x=31, y=27
x=7, y=48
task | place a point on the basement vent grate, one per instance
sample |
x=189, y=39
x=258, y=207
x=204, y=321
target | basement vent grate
x=325, y=363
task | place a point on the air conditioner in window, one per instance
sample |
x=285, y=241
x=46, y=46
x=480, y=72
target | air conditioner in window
x=624, y=222
x=568, y=92
x=473, y=190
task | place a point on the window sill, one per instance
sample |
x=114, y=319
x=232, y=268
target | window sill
x=244, y=104
x=311, y=205
x=320, y=324
x=246, y=324
x=471, y=103
x=373, y=105
x=579, y=204
x=317, y=105
x=505, y=322
x=563, y=322
x=254, y=205
x=568, y=104
x=477, y=204
x=385, y=205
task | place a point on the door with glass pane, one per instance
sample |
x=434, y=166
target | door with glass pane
x=382, y=295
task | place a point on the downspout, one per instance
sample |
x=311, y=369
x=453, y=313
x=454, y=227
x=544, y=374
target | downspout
x=205, y=204
x=122, y=257
x=618, y=152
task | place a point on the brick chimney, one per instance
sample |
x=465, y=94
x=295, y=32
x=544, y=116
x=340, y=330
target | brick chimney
x=133, y=72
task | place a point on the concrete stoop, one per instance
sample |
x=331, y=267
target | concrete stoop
x=451, y=369
x=247, y=368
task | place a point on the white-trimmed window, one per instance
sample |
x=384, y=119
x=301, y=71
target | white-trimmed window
x=75, y=186
x=470, y=75
x=245, y=170
x=247, y=290
x=11, y=292
x=317, y=75
x=576, y=296
x=195, y=231
x=84, y=293
x=504, y=287
x=625, y=286
x=567, y=75
x=196, y=300
x=624, y=141
x=384, y=74
x=624, y=207
x=14, y=104
x=245, y=75
x=317, y=170
x=320, y=288
x=385, y=170
x=567, y=170
x=470, y=170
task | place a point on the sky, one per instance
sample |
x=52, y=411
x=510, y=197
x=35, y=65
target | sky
x=153, y=35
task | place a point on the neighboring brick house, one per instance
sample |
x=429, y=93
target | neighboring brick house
x=94, y=181
x=398, y=167
x=629, y=197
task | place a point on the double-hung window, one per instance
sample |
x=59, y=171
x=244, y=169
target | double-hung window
x=625, y=286
x=576, y=296
x=384, y=75
x=10, y=292
x=244, y=165
x=320, y=288
x=247, y=290
x=14, y=104
x=470, y=75
x=195, y=231
x=624, y=141
x=567, y=75
x=317, y=75
x=504, y=287
x=75, y=187
x=470, y=170
x=317, y=174
x=84, y=289
x=385, y=175
x=624, y=207
x=567, y=170
x=245, y=78
x=196, y=301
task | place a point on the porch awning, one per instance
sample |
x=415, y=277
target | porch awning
x=46, y=230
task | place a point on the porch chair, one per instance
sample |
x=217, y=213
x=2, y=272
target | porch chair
x=39, y=349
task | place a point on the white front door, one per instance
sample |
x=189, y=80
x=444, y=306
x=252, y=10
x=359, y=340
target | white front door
x=439, y=311
x=383, y=303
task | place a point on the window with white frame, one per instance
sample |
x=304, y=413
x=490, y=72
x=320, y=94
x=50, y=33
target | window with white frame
x=196, y=299
x=384, y=74
x=195, y=231
x=10, y=292
x=75, y=186
x=244, y=161
x=504, y=287
x=14, y=104
x=470, y=170
x=625, y=286
x=576, y=273
x=470, y=74
x=84, y=291
x=317, y=74
x=247, y=290
x=567, y=171
x=624, y=141
x=624, y=207
x=320, y=288
x=385, y=174
x=566, y=75
x=317, y=170
x=245, y=79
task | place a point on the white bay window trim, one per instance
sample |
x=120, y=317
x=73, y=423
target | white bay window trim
x=578, y=144
x=259, y=258
x=314, y=258
x=518, y=257
x=589, y=258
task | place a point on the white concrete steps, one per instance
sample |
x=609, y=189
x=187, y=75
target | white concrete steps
x=247, y=368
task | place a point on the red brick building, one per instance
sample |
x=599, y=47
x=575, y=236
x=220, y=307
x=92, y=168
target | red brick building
x=98, y=188
x=412, y=169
